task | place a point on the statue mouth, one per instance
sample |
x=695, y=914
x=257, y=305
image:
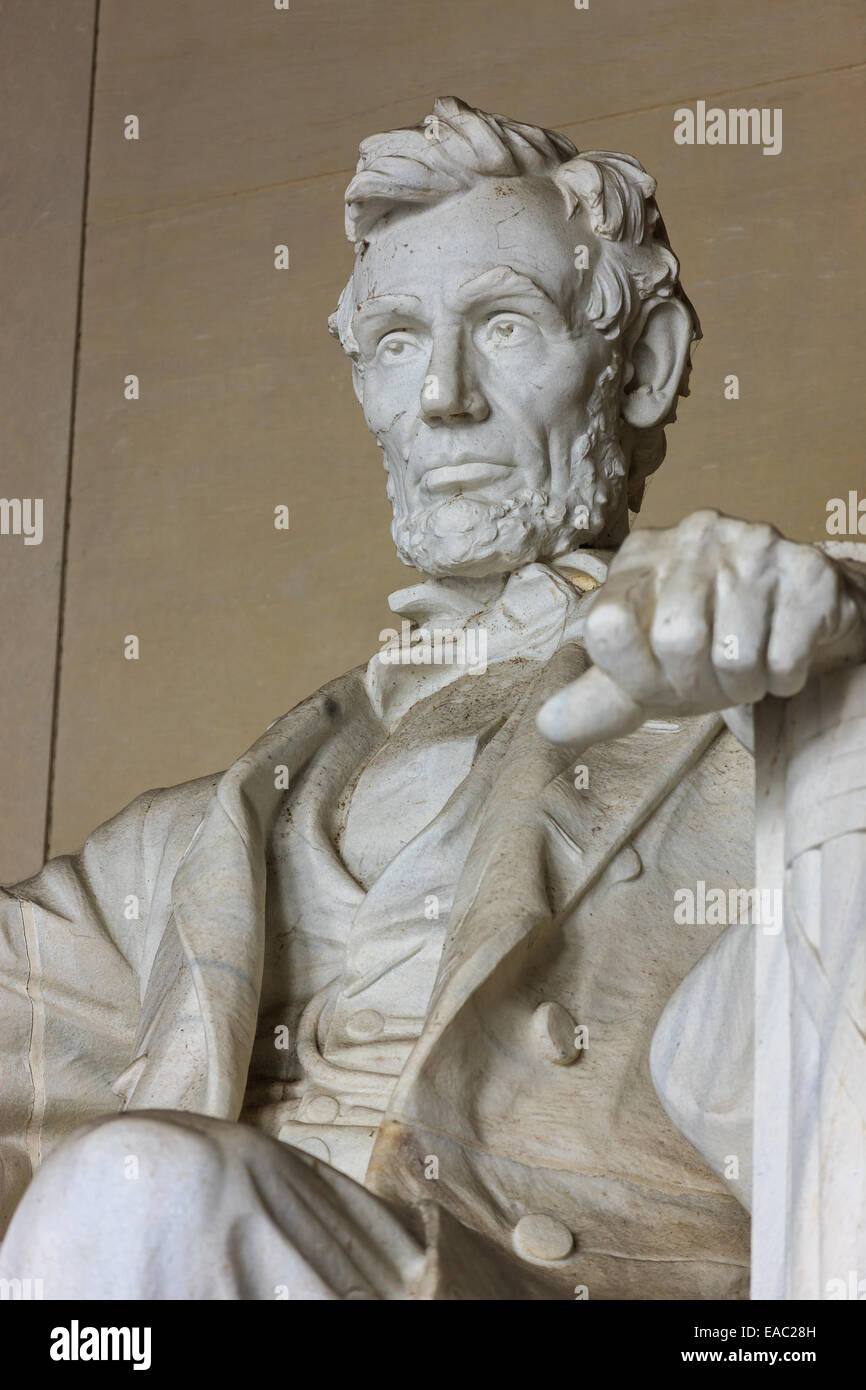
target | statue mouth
x=457, y=477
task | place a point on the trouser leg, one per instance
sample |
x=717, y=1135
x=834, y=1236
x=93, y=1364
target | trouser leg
x=169, y=1205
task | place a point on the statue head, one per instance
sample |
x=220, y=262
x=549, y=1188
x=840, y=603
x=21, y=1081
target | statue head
x=518, y=335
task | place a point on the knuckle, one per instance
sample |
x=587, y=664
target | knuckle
x=787, y=672
x=680, y=634
x=700, y=520
x=610, y=625
x=806, y=567
x=826, y=590
x=761, y=536
x=638, y=542
x=736, y=661
x=784, y=666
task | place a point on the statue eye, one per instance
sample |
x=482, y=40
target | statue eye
x=397, y=346
x=508, y=330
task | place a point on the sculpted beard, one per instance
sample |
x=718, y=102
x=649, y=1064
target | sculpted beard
x=468, y=536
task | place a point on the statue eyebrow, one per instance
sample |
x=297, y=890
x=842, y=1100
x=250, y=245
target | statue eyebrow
x=380, y=305
x=500, y=279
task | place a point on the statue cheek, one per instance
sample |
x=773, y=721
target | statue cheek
x=391, y=401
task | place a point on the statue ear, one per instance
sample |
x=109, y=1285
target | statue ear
x=657, y=361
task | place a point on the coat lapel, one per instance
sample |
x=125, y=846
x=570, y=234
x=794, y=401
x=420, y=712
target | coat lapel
x=199, y=1018
x=542, y=844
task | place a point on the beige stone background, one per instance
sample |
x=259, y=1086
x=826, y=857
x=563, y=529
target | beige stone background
x=155, y=257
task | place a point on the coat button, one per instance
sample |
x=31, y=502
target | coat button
x=553, y=1034
x=538, y=1237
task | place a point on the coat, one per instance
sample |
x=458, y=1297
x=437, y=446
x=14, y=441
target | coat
x=131, y=975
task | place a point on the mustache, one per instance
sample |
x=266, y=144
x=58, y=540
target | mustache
x=473, y=536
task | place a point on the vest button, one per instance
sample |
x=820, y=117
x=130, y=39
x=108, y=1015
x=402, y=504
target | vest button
x=553, y=1033
x=538, y=1237
x=366, y=1023
x=319, y=1110
x=317, y=1148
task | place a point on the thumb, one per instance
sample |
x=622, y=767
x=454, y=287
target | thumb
x=590, y=710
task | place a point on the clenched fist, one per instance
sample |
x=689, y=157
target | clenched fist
x=709, y=614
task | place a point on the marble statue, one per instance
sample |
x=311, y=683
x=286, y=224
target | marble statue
x=422, y=998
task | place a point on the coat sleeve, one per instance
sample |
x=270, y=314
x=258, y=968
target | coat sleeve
x=75, y=943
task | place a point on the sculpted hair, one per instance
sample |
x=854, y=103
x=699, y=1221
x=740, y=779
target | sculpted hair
x=455, y=147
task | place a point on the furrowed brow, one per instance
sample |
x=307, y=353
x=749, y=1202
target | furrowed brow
x=497, y=281
x=381, y=306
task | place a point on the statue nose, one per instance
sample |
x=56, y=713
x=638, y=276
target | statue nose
x=450, y=393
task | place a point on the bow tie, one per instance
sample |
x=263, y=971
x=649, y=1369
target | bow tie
x=527, y=614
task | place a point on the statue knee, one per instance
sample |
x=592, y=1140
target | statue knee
x=117, y=1154
x=115, y=1209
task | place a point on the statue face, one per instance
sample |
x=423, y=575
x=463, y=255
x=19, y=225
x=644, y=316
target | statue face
x=479, y=379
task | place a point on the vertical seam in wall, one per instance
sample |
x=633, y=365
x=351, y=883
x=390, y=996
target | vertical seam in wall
x=36, y=1048
x=73, y=405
